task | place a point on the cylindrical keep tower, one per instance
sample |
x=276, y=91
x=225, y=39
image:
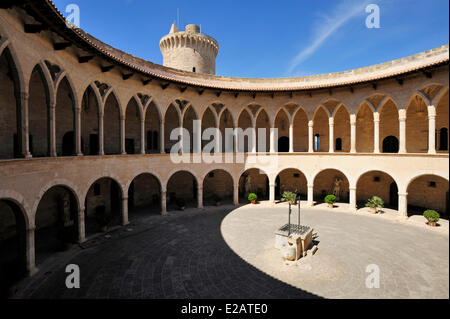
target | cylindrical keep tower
x=189, y=50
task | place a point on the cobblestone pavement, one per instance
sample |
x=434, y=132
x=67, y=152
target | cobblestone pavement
x=221, y=252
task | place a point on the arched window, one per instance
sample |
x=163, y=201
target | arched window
x=443, y=139
x=316, y=142
x=283, y=144
x=390, y=145
x=338, y=144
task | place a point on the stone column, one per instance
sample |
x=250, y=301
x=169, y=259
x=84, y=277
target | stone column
x=291, y=138
x=236, y=195
x=52, y=129
x=101, y=135
x=272, y=141
x=236, y=142
x=310, y=199
x=122, y=136
x=198, y=150
x=402, y=133
x=403, y=204
x=199, y=197
x=161, y=135
x=331, y=131
x=352, y=198
x=163, y=203
x=22, y=127
x=30, y=251
x=272, y=193
x=125, y=211
x=310, y=136
x=254, y=144
x=431, y=129
x=77, y=125
x=81, y=225
x=376, y=132
x=352, y=133
x=142, y=137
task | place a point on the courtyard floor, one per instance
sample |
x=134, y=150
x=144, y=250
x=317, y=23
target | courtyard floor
x=227, y=252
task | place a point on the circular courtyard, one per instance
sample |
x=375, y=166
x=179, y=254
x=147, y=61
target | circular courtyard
x=228, y=252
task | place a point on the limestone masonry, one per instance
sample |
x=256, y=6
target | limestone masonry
x=85, y=132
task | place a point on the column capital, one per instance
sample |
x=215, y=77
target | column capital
x=310, y=186
x=310, y=123
x=352, y=188
x=402, y=194
x=331, y=121
x=376, y=117
x=352, y=119
x=402, y=115
x=124, y=198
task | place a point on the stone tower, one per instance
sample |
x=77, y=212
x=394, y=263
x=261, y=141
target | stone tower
x=189, y=50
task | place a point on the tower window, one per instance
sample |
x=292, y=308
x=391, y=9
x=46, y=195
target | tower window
x=338, y=144
x=432, y=184
x=316, y=142
x=193, y=69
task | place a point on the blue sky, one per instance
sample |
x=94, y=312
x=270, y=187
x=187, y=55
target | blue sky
x=273, y=38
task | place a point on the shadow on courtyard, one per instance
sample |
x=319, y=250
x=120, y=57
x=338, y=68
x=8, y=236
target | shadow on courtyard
x=182, y=255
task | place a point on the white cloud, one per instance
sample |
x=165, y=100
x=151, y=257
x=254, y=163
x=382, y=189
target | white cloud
x=326, y=25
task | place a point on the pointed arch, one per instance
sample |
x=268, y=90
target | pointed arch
x=301, y=136
x=365, y=127
x=341, y=126
x=417, y=124
x=262, y=122
x=321, y=128
x=112, y=115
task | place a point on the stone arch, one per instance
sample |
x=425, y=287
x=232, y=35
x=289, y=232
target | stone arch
x=365, y=127
x=218, y=186
x=442, y=121
x=182, y=189
x=189, y=116
x=389, y=122
x=428, y=190
x=321, y=127
x=133, y=118
x=226, y=120
x=341, y=118
x=40, y=99
x=13, y=242
x=253, y=180
x=11, y=87
x=417, y=124
x=144, y=194
x=375, y=182
x=209, y=120
x=301, y=136
x=103, y=204
x=291, y=179
x=112, y=116
x=152, y=118
x=56, y=219
x=324, y=184
x=282, y=122
x=245, y=121
x=172, y=120
x=262, y=121
x=90, y=120
x=66, y=102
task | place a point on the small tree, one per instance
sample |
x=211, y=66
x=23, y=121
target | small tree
x=374, y=203
x=288, y=197
x=252, y=197
x=330, y=199
x=432, y=216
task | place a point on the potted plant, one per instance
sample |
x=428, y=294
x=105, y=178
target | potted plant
x=374, y=203
x=181, y=203
x=217, y=199
x=330, y=200
x=432, y=216
x=252, y=197
x=288, y=197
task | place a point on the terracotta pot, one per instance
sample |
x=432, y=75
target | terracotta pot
x=373, y=210
x=331, y=205
x=253, y=201
x=432, y=224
